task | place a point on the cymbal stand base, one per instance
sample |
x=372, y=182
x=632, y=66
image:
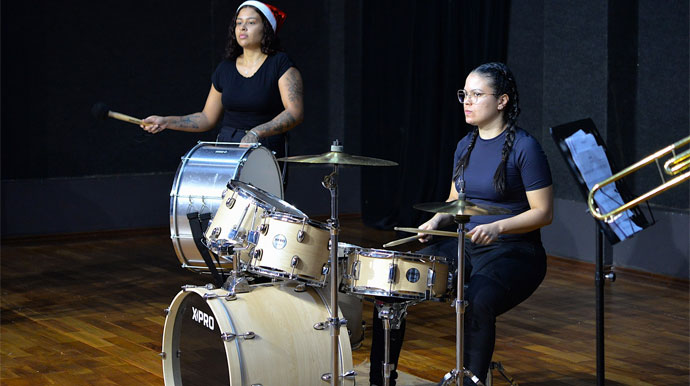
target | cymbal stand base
x=454, y=375
x=391, y=315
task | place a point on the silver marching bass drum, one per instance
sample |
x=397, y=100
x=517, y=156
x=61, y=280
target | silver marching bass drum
x=272, y=335
x=199, y=183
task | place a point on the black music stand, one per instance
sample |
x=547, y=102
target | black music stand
x=559, y=134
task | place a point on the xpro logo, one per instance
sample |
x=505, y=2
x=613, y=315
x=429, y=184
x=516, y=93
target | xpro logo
x=203, y=318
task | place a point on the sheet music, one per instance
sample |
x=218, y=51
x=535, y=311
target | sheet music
x=594, y=167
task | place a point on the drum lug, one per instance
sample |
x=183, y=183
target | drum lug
x=300, y=236
x=391, y=272
x=210, y=295
x=320, y=326
x=210, y=286
x=162, y=355
x=325, y=269
x=300, y=287
x=263, y=228
x=430, y=277
x=230, y=202
x=215, y=232
x=295, y=260
x=187, y=286
x=256, y=255
x=166, y=311
x=253, y=237
x=355, y=270
x=350, y=374
x=228, y=336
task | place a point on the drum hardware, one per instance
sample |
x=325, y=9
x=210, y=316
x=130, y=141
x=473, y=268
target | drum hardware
x=335, y=157
x=501, y=370
x=228, y=336
x=350, y=374
x=300, y=287
x=391, y=315
x=322, y=325
x=237, y=282
x=461, y=210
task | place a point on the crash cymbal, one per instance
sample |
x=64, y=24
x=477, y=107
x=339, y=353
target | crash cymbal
x=461, y=208
x=338, y=158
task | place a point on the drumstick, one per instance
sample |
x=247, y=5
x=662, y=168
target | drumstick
x=412, y=238
x=427, y=231
x=101, y=111
x=401, y=241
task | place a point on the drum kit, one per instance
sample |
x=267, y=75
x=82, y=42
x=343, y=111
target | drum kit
x=228, y=219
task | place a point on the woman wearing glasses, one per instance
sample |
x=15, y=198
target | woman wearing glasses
x=497, y=164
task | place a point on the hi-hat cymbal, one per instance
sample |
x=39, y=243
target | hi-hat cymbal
x=338, y=158
x=461, y=208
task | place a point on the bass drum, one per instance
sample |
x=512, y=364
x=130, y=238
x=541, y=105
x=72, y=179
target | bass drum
x=264, y=337
x=198, y=187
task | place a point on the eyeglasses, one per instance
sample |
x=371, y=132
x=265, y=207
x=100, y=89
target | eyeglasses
x=471, y=97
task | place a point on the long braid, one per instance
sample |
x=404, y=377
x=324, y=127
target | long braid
x=465, y=159
x=503, y=83
x=500, y=175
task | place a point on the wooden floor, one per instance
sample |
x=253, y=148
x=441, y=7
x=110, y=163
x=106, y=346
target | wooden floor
x=88, y=310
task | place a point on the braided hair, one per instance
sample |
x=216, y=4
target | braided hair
x=270, y=43
x=503, y=82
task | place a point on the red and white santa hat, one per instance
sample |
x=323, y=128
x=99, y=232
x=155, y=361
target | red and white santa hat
x=274, y=16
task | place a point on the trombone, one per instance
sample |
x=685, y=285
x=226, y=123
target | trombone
x=673, y=167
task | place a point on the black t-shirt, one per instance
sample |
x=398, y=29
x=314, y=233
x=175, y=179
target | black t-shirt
x=248, y=102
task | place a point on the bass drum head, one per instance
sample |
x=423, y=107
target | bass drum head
x=199, y=354
x=199, y=183
x=265, y=336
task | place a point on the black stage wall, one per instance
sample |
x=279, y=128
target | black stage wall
x=63, y=171
x=622, y=63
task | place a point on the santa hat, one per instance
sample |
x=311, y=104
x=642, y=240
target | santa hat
x=274, y=16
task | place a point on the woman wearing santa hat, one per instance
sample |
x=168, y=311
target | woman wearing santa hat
x=256, y=89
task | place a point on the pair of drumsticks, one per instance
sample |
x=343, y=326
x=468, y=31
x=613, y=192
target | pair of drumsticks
x=417, y=230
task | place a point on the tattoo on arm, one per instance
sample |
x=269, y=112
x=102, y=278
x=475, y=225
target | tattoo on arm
x=190, y=121
x=295, y=92
x=281, y=123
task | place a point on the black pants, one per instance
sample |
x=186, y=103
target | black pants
x=501, y=276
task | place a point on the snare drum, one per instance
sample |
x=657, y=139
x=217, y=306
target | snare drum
x=379, y=272
x=243, y=206
x=292, y=247
x=199, y=183
x=269, y=336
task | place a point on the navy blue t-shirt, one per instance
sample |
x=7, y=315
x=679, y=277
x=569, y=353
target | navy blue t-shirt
x=527, y=169
x=248, y=102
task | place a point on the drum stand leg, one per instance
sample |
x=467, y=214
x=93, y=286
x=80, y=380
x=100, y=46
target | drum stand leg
x=498, y=366
x=391, y=315
x=236, y=283
x=456, y=375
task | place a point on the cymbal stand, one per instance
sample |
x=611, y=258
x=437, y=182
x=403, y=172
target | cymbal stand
x=460, y=305
x=330, y=182
x=391, y=315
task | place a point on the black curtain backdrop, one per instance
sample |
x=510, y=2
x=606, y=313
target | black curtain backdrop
x=416, y=55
